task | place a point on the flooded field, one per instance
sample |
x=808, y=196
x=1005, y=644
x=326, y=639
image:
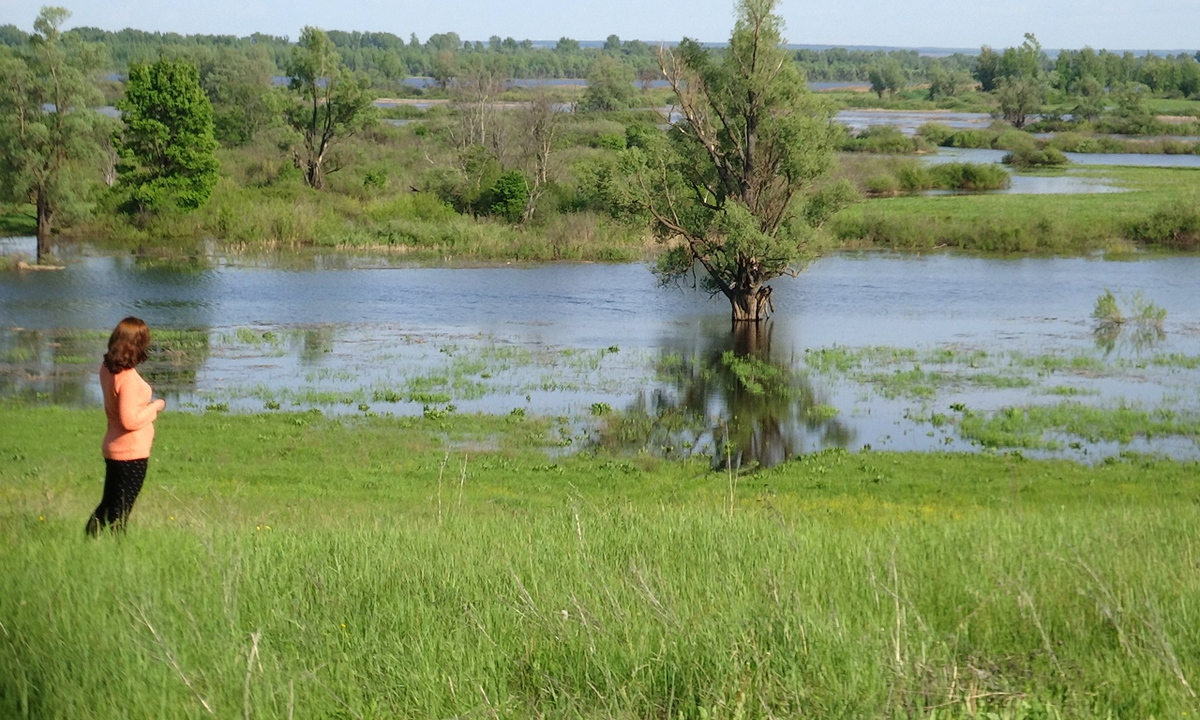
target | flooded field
x=899, y=352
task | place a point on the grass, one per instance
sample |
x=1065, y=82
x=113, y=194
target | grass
x=1041, y=427
x=386, y=568
x=1033, y=223
x=909, y=373
x=18, y=220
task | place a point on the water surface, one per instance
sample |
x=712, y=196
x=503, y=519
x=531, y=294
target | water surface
x=346, y=335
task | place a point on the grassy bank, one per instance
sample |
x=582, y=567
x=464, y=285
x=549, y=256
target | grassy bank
x=1159, y=210
x=295, y=566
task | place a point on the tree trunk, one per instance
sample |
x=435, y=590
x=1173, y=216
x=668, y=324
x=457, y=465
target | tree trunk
x=753, y=339
x=751, y=304
x=45, y=215
x=314, y=176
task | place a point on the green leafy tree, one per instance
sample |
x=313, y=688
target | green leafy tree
x=987, y=68
x=238, y=83
x=332, y=102
x=610, y=86
x=566, y=45
x=887, y=77
x=1025, y=61
x=1093, y=100
x=48, y=125
x=167, y=148
x=1019, y=97
x=444, y=68
x=509, y=196
x=721, y=186
x=945, y=83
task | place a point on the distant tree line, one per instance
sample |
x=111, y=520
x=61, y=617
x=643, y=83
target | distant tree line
x=1105, y=90
x=385, y=59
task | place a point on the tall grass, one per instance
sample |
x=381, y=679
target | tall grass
x=397, y=569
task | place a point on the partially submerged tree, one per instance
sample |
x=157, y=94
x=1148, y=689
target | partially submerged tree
x=722, y=188
x=167, y=147
x=333, y=102
x=47, y=121
x=1019, y=97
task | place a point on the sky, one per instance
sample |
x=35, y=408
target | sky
x=1110, y=24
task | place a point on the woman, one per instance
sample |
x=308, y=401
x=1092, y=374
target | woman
x=131, y=415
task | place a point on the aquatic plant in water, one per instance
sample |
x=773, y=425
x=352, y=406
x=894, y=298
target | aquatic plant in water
x=1112, y=314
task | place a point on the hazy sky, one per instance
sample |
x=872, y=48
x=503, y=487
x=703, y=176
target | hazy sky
x=1113, y=24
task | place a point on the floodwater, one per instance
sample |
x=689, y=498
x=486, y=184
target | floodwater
x=1060, y=184
x=345, y=335
x=988, y=155
x=909, y=120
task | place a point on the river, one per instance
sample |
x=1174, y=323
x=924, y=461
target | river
x=917, y=335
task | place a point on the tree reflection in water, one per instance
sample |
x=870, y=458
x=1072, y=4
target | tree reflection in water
x=59, y=366
x=730, y=396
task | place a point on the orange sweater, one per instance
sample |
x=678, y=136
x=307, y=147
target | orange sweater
x=130, y=414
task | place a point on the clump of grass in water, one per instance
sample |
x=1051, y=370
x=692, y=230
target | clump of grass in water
x=1034, y=427
x=1108, y=311
x=1113, y=315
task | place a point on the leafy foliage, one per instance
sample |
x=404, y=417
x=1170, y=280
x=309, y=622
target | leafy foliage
x=48, y=127
x=331, y=102
x=721, y=186
x=167, y=146
x=610, y=86
x=509, y=196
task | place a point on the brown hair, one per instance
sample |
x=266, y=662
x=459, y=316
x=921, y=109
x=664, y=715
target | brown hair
x=127, y=345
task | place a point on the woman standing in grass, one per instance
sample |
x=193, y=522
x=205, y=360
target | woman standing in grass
x=131, y=415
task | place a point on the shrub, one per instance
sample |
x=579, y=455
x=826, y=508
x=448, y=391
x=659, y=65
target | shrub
x=1032, y=157
x=913, y=178
x=608, y=141
x=828, y=201
x=936, y=133
x=1013, y=139
x=969, y=139
x=509, y=196
x=1107, y=312
x=1176, y=225
x=883, y=185
x=884, y=139
x=969, y=176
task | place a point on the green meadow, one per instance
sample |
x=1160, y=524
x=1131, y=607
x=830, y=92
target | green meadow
x=1158, y=210
x=296, y=566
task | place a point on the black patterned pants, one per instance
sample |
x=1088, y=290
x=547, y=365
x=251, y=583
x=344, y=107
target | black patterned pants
x=122, y=482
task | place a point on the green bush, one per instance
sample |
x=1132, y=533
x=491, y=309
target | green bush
x=913, y=177
x=828, y=201
x=969, y=139
x=608, y=141
x=936, y=133
x=969, y=176
x=1176, y=225
x=882, y=185
x=509, y=196
x=1029, y=157
x=1013, y=139
x=885, y=139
